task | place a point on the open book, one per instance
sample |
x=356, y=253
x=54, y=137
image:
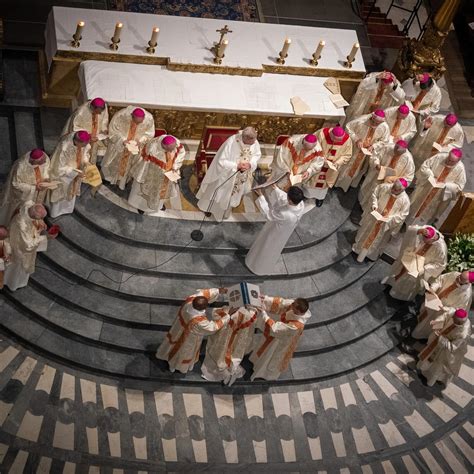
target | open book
x=413, y=263
x=338, y=101
x=379, y=216
x=173, y=175
x=332, y=85
x=92, y=175
x=244, y=294
x=435, y=183
x=132, y=147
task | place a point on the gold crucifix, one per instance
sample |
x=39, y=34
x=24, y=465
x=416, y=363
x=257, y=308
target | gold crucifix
x=223, y=32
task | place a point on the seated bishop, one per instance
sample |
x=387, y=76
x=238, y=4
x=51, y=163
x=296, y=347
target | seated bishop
x=402, y=123
x=422, y=258
x=156, y=174
x=129, y=130
x=422, y=94
x=230, y=175
x=27, y=181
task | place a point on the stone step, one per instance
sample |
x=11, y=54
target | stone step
x=382, y=30
x=384, y=41
x=112, y=221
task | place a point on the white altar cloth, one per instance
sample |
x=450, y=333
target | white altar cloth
x=151, y=86
x=187, y=40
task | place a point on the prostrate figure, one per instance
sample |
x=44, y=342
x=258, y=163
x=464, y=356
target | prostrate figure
x=230, y=175
x=27, y=233
x=454, y=290
x=273, y=348
x=182, y=343
x=93, y=117
x=129, y=130
x=445, y=131
x=441, y=359
x=336, y=148
x=381, y=219
x=161, y=157
x=388, y=163
x=27, y=181
x=422, y=257
x=402, y=123
x=439, y=181
x=5, y=253
x=423, y=94
x=368, y=132
x=226, y=349
x=283, y=212
x=378, y=90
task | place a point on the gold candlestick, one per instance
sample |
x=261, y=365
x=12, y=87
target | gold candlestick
x=77, y=36
x=220, y=52
x=153, y=40
x=317, y=53
x=116, y=38
x=352, y=55
x=283, y=54
x=222, y=32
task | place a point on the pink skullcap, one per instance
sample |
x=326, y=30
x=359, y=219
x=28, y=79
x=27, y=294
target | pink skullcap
x=451, y=120
x=140, y=113
x=389, y=79
x=402, y=144
x=426, y=77
x=404, y=109
x=429, y=232
x=310, y=138
x=457, y=152
x=82, y=136
x=471, y=277
x=378, y=115
x=460, y=313
x=36, y=154
x=168, y=140
x=403, y=182
x=338, y=132
x=98, y=102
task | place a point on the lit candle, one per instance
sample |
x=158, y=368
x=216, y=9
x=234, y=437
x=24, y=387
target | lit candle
x=222, y=48
x=319, y=49
x=154, y=35
x=353, y=52
x=79, y=28
x=286, y=47
x=118, y=30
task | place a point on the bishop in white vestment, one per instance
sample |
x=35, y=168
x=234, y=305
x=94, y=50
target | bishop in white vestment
x=454, y=290
x=402, y=123
x=230, y=175
x=5, y=253
x=182, y=343
x=283, y=212
x=422, y=94
x=439, y=182
x=387, y=164
x=129, y=130
x=381, y=219
x=367, y=132
x=27, y=181
x=378, y=90
x=424, y=248
x=280, y=332
x=161, y=157
x=69, y=160
x=442, y=357
x=445, y=131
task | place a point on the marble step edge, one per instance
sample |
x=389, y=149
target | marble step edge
x=179, y=380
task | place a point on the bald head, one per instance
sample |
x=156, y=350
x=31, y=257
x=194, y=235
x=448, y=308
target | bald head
x=3, y=232
x=37, y=211
x=249, y=135
x=200, y=303
x=300, y=306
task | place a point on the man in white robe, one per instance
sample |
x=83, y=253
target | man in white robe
x=27, y=233
x=367, y=133
x=129, y=130
x=402, y=123
x=378, y=90
x=274, y=347
x=445, y=131
x=283, y=212
x=28, y=180
x=422, y=257
x=68, y=163
x=422, y=94
x=93, y=117
x=230, y=175
x=439, y=182
x=391, y=206
x=161, y=158
x=441, y=359
x=5, y=253
x=387, y=164
x=454, y=290
x=182, y=343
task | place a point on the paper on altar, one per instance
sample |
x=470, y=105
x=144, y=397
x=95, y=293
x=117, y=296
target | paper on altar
x=173, y=175
x=433, y=302
x=435, y=183
x=244, y=294
x=338, y=101
x=332, y=85
x=385, y=172
x=92, y=176
x=379, y=216
x=132, y=147
x=300, y=107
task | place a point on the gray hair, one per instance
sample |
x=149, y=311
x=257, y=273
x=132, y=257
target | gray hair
x=249, y=132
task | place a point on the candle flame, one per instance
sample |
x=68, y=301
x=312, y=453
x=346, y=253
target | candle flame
x=288, y=40
x=225, y=42
x=322, y=43
x=81, y=23
x=119, y=25
x=156, y=29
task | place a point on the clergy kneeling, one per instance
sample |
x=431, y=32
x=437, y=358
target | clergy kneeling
x=441, y=359
x=423, y=256
x=382, y=218
x=283, y=212
x=156, y=174
x=183, y=341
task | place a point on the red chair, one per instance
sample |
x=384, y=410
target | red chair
x=159, y=132
x=212, y=139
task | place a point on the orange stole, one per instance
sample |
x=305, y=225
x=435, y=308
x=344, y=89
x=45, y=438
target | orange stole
x=360, y=156
x=236, y=327
x=396, y=127
x=378, y=97
x=426, y=352
x=443, y=294
x=126, y=154
x=95, y=126
x=421, y=251
x=440, y=139
x=299, y=158
x=441, y=179
x=419, y=98
x=388, y=207
x=394, y=161
x=76, y=182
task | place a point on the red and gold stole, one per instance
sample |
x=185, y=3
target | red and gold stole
x=430, y=196
x=236, y=327
x=299, y=158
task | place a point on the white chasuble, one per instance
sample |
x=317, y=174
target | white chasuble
x=401, y=128
x=425, y=101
